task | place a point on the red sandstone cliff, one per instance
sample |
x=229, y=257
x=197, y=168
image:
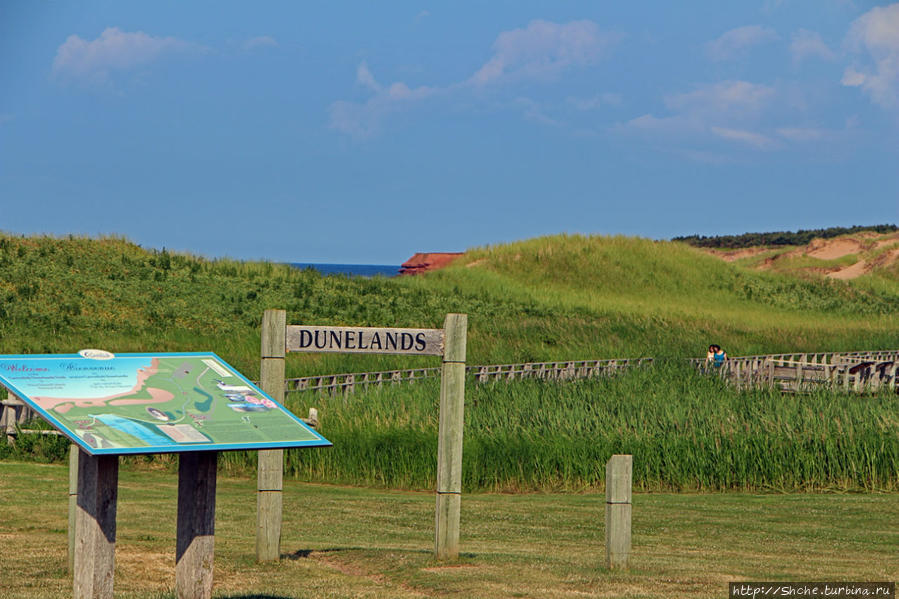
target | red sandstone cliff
x=425, y=261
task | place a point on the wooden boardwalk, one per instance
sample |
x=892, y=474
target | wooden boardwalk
x=854, y=371
x=569, y=370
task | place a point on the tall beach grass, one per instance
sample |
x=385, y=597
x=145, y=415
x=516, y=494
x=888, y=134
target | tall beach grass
x=685, y=431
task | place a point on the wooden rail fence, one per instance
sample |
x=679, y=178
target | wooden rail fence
x=857, y=371
x=569, y=370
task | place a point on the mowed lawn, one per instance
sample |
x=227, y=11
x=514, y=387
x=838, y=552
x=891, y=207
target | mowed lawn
x=354, y=542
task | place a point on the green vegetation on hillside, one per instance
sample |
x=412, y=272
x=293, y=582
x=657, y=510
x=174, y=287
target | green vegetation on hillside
x=777, y=238
x=552, y=298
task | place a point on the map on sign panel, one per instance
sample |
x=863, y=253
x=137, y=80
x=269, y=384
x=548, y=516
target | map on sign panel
x=153, y=403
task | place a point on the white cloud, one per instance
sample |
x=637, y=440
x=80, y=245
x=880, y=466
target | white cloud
x=543, y=49
x=261, y=41
x=363, y=119
x=756, y=140
x=801, y=134
x=877, y=33
x=737, y=41
x=728, y=110
x=852, y=78
x=726, y=98
x=594, y=102
x=672, y=125
x=115, y=50
x=808, y=44
x=365, y=78
x=534, y=111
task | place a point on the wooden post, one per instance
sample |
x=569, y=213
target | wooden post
x=449, y=442
x=196, y=524
x=270, y=469
x=95, y=526
x=74, y=450
x=12, y=415
x=619, y=472
x=3, y=426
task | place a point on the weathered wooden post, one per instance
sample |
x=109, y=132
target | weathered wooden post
x=619, y=473
x=95, y=526
x=194, y=547
x=270, y=468
x=449, y=443
x=73, y=502
x=13, y=414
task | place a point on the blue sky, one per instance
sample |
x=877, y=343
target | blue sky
x=364, y=132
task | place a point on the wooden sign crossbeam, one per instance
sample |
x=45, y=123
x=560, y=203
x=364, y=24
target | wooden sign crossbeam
x=365, y=340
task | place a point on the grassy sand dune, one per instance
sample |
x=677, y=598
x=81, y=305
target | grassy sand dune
x=560, y=297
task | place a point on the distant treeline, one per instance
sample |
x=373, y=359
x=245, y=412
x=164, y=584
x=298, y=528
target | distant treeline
x=800, y=237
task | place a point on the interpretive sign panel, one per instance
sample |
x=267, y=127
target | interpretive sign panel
x=365, y=340
x=153, y=403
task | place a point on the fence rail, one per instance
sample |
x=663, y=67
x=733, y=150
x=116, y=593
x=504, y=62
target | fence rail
x=855, y=371
x=13, y=414
x=338, y=383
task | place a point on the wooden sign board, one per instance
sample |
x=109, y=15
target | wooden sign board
x=152, y=403
x=365, y=340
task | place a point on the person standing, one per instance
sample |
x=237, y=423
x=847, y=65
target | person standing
x=716, y=356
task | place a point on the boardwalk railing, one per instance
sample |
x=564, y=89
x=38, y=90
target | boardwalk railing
x=854, y=371
x=13, y=414
x=347, y=383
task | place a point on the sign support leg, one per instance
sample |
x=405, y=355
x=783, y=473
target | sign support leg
x=449, y=444
x=270, y=469
x=196, y=524
x=74, y=450
x=95, y=526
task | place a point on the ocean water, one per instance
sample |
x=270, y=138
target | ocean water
x=353, y=270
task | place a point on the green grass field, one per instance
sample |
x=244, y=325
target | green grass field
x=351, y=542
